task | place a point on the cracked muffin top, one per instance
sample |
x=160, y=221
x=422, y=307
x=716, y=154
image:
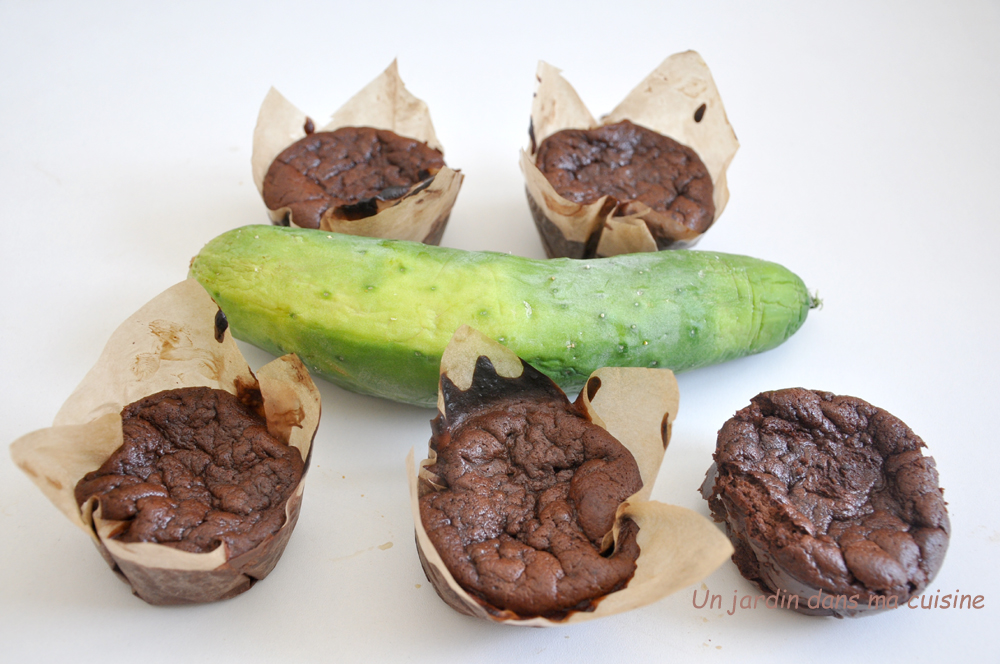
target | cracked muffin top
x=820, y=491
x=529, y=488
x=346, y=173
x=197, y=467
x=630, y=163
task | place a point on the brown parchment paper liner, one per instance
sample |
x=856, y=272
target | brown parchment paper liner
x=678, y=547
x=169, y=343
x=385, y=103
x=667, y=101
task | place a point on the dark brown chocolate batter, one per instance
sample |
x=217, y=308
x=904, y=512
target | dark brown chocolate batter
x=197, y=467
x=824, y=492
x=346, y=173
x=630, y=163
x=531, y=489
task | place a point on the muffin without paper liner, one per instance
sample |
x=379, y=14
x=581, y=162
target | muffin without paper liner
x=828, y=499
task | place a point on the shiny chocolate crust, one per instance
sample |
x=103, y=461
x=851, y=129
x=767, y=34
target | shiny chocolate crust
x=630, y=163
x=347, y=173
x=827, y=496
x=197, y=467
x=528, y=490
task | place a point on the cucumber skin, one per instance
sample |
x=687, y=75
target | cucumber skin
x=374, y=316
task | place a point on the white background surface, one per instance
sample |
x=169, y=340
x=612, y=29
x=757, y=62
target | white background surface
x=868, y=165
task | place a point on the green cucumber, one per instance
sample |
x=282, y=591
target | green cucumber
x=374, y=315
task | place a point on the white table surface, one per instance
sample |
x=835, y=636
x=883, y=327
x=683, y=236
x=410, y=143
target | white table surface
x=869, y=164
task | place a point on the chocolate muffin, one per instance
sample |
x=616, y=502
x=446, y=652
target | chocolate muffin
x=630, y=163
x=349, y=173
x=527, y=491
x=828, y=500
x=197, y=467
